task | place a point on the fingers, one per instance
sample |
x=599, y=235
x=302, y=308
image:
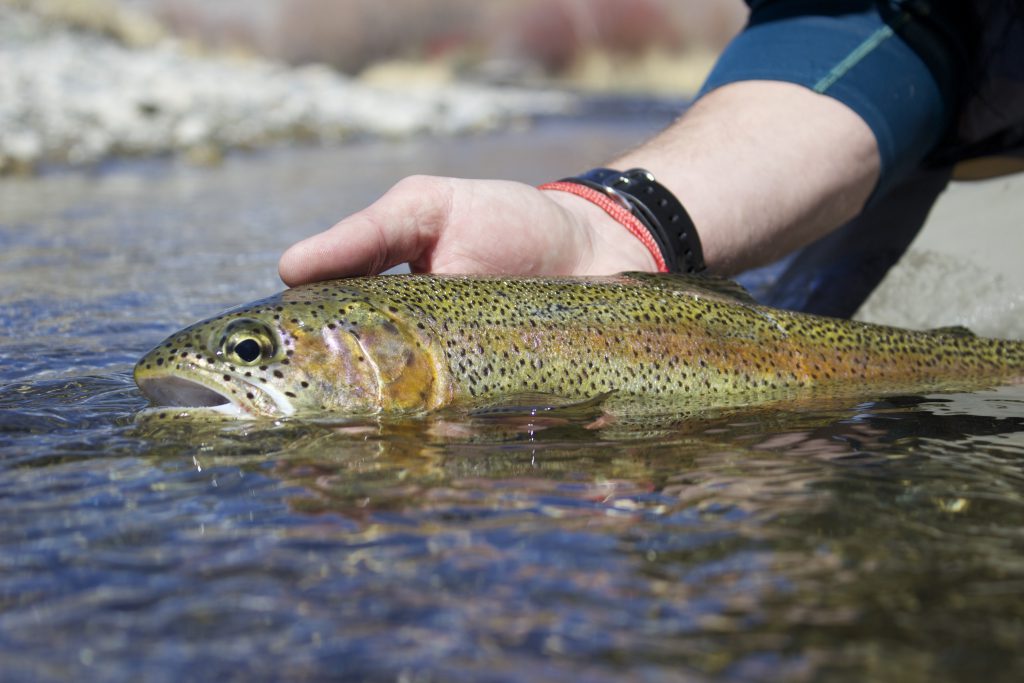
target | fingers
x=450, y=225
x=400, y=226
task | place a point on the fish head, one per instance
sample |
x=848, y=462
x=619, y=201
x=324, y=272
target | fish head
x=305, y=351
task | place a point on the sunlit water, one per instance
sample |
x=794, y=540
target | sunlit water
x=876, y=540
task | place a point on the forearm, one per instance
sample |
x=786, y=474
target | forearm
x=761, y=167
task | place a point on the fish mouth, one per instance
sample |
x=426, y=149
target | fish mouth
x=181, y=392
x=187, y=394
x=196, y=392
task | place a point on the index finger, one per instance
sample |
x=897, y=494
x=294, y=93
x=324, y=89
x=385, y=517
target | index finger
x=397, y=228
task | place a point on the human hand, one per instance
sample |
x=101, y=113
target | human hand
x=450, y=225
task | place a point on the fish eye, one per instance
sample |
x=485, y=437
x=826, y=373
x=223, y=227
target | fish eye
x=249, y=342
x=248, y=350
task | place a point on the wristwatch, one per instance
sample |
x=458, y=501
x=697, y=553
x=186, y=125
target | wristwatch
x=656, y=208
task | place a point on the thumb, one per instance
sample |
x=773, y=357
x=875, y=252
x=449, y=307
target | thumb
x=400, y=226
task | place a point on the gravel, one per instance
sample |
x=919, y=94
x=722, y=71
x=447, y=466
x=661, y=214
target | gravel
x=75, y=96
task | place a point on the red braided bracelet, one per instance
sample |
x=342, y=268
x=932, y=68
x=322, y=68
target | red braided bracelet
x=620, y=213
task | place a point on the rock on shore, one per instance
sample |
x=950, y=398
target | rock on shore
x=70, y=95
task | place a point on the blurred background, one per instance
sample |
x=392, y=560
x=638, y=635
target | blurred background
x=86, y=80
x=87, y=83
x=605, y=44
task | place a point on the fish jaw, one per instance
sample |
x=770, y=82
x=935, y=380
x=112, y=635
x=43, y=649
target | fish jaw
x=196, y=392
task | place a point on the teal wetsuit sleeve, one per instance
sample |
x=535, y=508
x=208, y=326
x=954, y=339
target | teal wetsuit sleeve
x=844, y=49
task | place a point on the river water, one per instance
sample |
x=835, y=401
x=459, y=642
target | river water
x=877, y=540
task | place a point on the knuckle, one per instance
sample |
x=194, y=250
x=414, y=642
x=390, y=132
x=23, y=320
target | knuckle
x=418, y=184
x=428, y=199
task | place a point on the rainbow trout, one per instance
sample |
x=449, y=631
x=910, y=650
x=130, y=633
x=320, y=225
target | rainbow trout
x=412, y=343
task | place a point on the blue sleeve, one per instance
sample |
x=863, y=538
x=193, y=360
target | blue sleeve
x=846, y=50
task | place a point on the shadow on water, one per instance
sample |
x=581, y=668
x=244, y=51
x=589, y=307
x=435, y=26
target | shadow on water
x=826, y=540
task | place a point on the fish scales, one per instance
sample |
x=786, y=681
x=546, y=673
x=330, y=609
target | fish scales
x=417, y=342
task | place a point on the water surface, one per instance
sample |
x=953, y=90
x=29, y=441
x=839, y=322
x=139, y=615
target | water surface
x=872, y=540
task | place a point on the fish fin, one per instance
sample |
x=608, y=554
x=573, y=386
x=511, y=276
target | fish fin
x=706, y=286
x=954, y=331
x=536, y=404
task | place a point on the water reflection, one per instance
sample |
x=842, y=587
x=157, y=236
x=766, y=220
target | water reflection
x=820, y=540
x=843, y=540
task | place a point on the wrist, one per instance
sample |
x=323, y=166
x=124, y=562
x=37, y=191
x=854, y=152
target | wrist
x=645, y=208
x=610, y=247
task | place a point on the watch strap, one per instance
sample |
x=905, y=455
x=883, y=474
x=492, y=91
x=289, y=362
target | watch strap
x=660, y=212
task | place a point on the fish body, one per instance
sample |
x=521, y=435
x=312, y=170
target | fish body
x=412, y=343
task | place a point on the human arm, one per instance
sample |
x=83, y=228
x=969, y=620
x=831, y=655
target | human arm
x=762, y=168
